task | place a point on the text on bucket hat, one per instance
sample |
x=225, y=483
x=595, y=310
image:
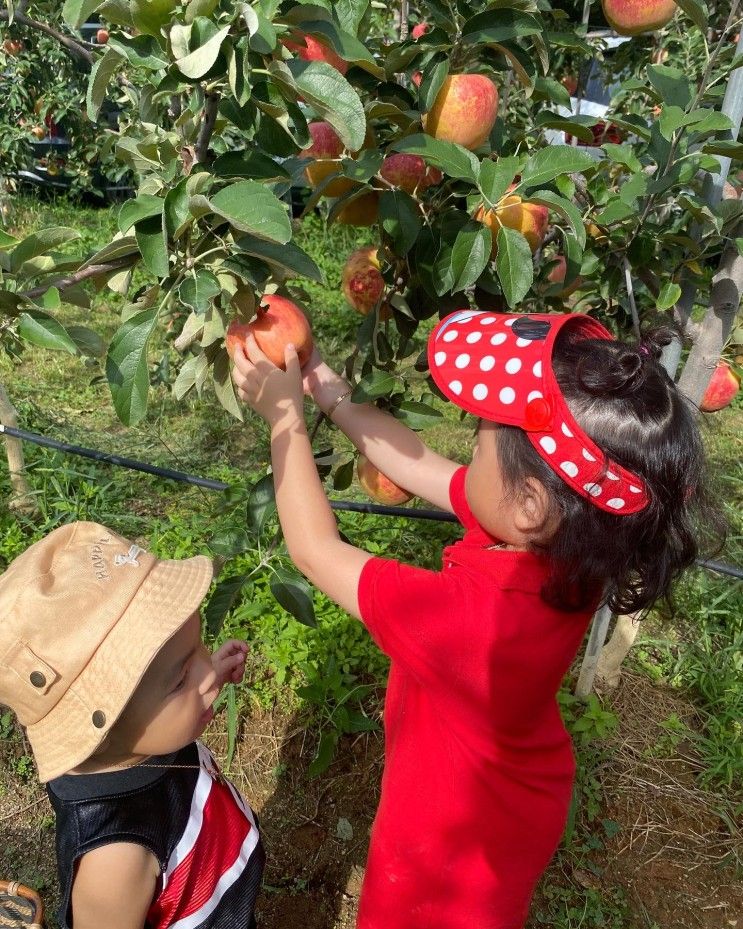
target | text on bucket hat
x=498, y=366
x=84, y=612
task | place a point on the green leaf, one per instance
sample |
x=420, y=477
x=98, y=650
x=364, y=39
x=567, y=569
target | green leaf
x=149, y=16
x=614, y=212
x=565, y=208
x=415, y=414
x=324, y=754
x=221, y=602
x=498, y=26
x=250, y=164
x=434, y=75
x=198, y=290
x=43, y=330
x=7, y=241
x=294, y=593
x=142, y=207
x=344, y=44
x=252, y=207
x=452, y=159
x=733, y=150
x=579, y=126
x=400, y=216
x=76, y=12
x=326, y=90
x=349, y=14
x=343, y=476
x=142, y=51
x=198, y=62
x=548, y=163
x=372, y=385
x=224, y=386
x=261, y=502
x=697, y=12
x=668, y=296
x=289, y=257
x=470, y=255
x=127, y=368
x=153, y=245
x=88, y=343
x=623, y=155
x=40, y=243
x=496, y=177
x=100, y=76
x=550, y=89
x=672, y=85
x=513, y=264
x=118, y=248
x=176, y=214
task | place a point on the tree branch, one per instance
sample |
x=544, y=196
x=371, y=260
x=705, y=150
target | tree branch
x=206, y=129
x=74, y=48
x=62, y=283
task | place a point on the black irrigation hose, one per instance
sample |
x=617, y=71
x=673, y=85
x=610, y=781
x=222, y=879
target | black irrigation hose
x=344, y=505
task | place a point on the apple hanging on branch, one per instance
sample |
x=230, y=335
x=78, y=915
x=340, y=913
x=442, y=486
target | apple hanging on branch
x=723, y=386
x=378, y=486
x=278, y=323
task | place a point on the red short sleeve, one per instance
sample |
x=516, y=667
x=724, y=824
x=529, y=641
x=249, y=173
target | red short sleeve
x=458, y=499
x=410, y=613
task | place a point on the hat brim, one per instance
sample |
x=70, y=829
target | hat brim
x=169, y=595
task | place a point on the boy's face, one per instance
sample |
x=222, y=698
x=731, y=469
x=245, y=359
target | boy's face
x=173, y=703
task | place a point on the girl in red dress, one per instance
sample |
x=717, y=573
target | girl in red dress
x=583, y=488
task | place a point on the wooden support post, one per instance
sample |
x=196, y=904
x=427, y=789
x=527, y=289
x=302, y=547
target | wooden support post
x=22, y=499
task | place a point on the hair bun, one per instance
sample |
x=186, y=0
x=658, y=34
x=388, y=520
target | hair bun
x=611, y=368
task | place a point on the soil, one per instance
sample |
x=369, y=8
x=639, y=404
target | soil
x=672, y=854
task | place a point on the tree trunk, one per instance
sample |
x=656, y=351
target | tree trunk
x=22, y=499
x=727, y=287
x=609, y=667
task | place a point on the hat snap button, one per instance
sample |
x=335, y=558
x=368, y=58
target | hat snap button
x=99, y=719
x=37, y=679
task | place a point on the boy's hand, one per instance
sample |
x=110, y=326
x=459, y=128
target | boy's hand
x=229, y=662
x=271, y=392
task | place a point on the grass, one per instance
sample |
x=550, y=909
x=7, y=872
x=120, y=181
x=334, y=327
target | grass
x=331, y=676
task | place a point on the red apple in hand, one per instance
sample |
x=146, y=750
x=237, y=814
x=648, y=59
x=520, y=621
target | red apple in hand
x=378, y=486
x=723, y=386
x=279, y=322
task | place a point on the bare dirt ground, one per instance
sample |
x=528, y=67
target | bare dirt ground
x=673, y=854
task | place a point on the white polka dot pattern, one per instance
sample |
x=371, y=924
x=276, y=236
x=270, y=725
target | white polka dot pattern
x=499, y=368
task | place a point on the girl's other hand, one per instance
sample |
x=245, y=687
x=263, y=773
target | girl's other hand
x=273, y=394
x=309, y=371
x=229, y=662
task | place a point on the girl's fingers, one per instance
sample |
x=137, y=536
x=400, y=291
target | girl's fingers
x=291, y=361
x=254, y=353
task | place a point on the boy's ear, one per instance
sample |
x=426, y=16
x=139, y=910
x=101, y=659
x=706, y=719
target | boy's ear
x=533, y=513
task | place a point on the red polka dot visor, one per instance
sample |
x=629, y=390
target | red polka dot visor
x=498, y=366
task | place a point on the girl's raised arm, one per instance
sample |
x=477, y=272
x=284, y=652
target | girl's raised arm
x=390, y=445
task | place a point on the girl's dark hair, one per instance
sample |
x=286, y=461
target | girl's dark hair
x=622, y=397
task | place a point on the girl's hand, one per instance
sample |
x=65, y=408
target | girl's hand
x=271, y=392
x=229, y=662
x=309, y=371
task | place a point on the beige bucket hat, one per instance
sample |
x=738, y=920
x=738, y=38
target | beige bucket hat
x=83, y=612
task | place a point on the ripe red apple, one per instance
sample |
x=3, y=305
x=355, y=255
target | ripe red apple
x=362, y=211
x=409, y=172
x=314, y=50
x=420, y=29
x=530, y=219
x=632, y=17
x=278, y=322
x=378, y=486
x=326, y=150
x=570, y=83
x=464, y=110
x=38, y=132
x=557, y=276
x=362, y=281
x=101, y=36
x=723, y=386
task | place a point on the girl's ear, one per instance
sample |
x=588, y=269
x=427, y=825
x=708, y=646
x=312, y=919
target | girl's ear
x=533, y=515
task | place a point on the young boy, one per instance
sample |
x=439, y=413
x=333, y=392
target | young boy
x=101, y=658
